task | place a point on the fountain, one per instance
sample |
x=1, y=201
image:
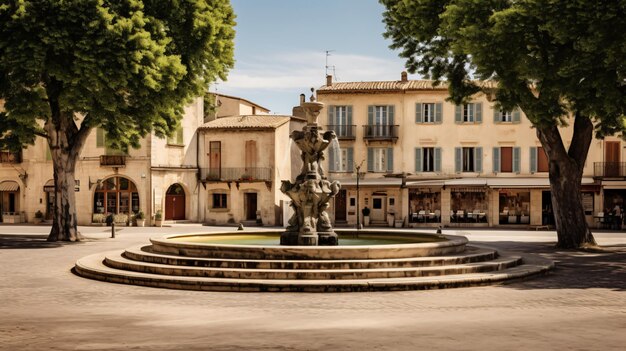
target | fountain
x=310, y=193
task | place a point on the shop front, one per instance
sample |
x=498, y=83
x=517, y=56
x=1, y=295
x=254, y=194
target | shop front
x=469, y=205
x=514, y=206
x=425, y=205
x=9, y=202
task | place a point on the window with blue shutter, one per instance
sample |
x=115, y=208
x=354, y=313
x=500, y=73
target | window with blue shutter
x=418, y=113
x=478, y=158
x=497, y=115
x=458, y=159
x=438, y=112
x=517, y=155
x=418, y=159
x=331, y=160
x=533, y=160
x=370, y=159
x=350, y=157
x=496, y=160
x=478, y=112
x=458, y=114
x=516, y=116
x=437, y=159
x=331, y=115
x=390, y=114
x=390, y=159
x=370, y=115
x=349, y=108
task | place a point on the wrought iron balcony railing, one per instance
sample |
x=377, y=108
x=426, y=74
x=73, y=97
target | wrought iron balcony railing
x=228, y=174
x=10, y=157
x=380, y=132
x=113, y=160
x=344, y=131
x=609, y=169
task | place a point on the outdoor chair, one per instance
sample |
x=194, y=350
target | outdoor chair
x=421, y=216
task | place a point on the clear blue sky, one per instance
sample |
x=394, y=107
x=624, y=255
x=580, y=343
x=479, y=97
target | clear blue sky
x=280, y=48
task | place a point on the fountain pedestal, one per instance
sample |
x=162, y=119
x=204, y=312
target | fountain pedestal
x=310, y=193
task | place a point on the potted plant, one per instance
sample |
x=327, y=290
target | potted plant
x=98, y=219
x=391, y=217
x=158, y=219
x=366, y=216
x=38, y=217
x=140, y=218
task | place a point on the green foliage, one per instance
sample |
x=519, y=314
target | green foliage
x=210, y=105
x=549, y=57
x=127, y=66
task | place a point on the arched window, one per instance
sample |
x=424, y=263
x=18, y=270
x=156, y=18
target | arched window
x=116, y=195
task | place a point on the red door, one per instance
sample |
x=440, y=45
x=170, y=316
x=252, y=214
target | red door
x=612, y=159
x=175, y=203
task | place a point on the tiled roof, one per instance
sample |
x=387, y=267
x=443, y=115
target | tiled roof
x=247, y=122
x=387, y=86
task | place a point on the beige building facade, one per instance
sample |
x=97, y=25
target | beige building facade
x=427, y=162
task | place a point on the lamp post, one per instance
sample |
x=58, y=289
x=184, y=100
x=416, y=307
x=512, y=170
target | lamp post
x=358, y=210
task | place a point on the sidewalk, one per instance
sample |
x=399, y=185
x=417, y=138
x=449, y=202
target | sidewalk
x=582, y=305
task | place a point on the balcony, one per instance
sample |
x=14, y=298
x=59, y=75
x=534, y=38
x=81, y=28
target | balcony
x=343, y=131
x=112, y=161
x=10, y=157
x=236, y=174
x=380, y=132
x=609, y=169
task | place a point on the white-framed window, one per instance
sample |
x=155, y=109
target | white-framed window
x=468, y=159
x=381, y=115
x=428, y=159
x=468, y=113
x=219, y=200
x=379, y=159
x=428, y=113
x=341, y=160
x=506, y=116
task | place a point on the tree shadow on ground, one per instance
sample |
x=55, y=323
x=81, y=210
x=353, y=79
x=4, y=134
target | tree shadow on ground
x=575, y=269
x=20, y=241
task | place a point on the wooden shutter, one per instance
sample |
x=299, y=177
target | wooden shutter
x=543, y=165
x=390, y=114
x=370, y=159
x=370, y=115
x=349, y=119
x=458, y=159
x=331, y=115
x=516, y=115
x=418, y=159
x=458, y=114
x=437, y=159
x=517, y=155
x=533, y=159
x=478, y=112
x=496, y=160
x=418, y=113
x=390, y=159
x=438, y=112
x=350, y=159
x=497, y=115
x=331, y=159
x=478, y=159
x=251, y=154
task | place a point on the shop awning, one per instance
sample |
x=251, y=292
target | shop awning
x=438, y=183
x=465, y=182
x=369, y=182
x=9, y=185
x=518, y=182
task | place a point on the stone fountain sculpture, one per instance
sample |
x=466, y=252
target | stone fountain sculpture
x=310, y=193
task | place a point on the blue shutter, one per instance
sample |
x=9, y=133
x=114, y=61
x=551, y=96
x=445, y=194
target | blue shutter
x=478, y=159
x=438, y=112
x=331, y=115
x=390, y=113
x=418, y=113
x=496, y=160
x=331, y=159
x=370, y=159
x=418, y=159
x=517, y=155
x=370, y=115
x=349, y=119
x=390, y=159
x=458, y=114
x=478, y=112
x=516, y=115
x=350, y=160
x=497, y=114
x=458, y=159
x=533, y=159
x=437, y=159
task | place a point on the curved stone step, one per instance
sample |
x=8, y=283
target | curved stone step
x=93, y=267
x=471, y=254
x=118, y=262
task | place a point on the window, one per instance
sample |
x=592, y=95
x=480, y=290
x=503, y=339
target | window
x=10, y=157
x=500, y=116
x=468, y=159
x=177, y=137
x=341, y=160
x=538, y=160
x=428, y=159
x=468, y=113
x=506, y=116
x=220, y=201
x=428, y=113
x=101, y=138
x=340, y=120
x=379, y=159
x=215, y=160
x=506, y=159
x=116, y=195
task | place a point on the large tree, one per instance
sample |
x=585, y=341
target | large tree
x=127, y=66
x=560, y=61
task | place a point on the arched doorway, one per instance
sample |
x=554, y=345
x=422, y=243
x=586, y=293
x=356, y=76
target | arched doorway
x=175, y=203
x=116, y=195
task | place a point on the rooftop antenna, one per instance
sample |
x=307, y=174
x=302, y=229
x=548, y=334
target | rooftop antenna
x=330, y=67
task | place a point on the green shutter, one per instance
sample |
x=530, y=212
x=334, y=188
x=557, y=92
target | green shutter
x=390, y=159
x=437, y=159
x=496, y=160
x=370, y=115
x=99, y=137
x=516, y=115
x=418, y=113
x=370, y=159
x=517, y=155
x=458, y=114
x=497, y=114
x=390, y=114
x=349, y=119
x=458, y=159
x=331, y=115
x=350, y=160
x=478, y=112
x=331, y=159
x=418, y=159
x=438, y=112
x=533, y=159
x=478, y=159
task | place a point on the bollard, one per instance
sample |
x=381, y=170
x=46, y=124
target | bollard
x=113, y=230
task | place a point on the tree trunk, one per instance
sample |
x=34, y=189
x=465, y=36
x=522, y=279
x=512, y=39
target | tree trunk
x=566, y=170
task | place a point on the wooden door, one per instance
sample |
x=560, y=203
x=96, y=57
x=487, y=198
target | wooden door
x=542, y=161
x=250, y=204
x=174, y=207
x=215, y=160
x=340, y=206
x=378, y=212
x=612, y=159
x=506, y=159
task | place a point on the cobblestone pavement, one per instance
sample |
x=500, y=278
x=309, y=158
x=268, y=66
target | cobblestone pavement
x=580, y=306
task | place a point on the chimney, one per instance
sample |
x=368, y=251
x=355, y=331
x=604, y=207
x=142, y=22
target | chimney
x=302, y=98
x=404, y=77
x=329, y=80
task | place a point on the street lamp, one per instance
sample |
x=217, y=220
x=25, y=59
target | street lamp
x=358, y=210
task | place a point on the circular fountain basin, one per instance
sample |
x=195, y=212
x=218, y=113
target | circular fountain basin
x=362, y=244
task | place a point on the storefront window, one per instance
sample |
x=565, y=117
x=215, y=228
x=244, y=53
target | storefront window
x=514, y=207
x=468, y=205
x=424, y=206
x=116, y=195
